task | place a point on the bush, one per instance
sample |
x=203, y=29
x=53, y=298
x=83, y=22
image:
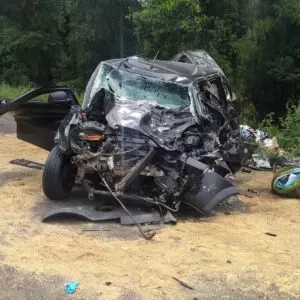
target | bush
x=289, y=134
x=269, y=125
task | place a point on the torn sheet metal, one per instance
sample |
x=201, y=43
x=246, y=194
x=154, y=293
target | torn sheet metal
x=27, y=163
x=163, y=125
x=111, y=213
x=210, y=190
x=199, y=58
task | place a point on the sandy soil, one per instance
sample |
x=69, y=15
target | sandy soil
x=221, y=257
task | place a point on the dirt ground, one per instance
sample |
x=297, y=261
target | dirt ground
x=220, y=257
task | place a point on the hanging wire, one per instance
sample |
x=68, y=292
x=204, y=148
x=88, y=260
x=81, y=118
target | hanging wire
x=146, y=234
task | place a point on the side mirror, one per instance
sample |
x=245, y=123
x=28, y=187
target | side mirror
x=59, y=98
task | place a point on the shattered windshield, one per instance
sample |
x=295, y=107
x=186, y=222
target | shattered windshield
x=127, y=85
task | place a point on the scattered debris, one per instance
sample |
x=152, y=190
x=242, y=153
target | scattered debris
x=95, y=229
x=246, y=195
x=244, y=170
x=267, y=155
x=259, y=136
x=70, y=287
x=259, y=161
x=252, y=191
x=183, y=283
x=271, y=234
x=231, y=204
x=249, y=193
x=264, y=149
x=27, y=163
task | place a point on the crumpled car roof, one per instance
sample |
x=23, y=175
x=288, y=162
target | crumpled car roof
x=167, y=70
x=201, y=58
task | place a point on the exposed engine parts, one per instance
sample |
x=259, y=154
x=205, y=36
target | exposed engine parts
x=156, y=133
x=145, y=163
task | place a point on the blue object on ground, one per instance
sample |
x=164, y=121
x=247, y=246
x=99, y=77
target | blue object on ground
x=70, y=287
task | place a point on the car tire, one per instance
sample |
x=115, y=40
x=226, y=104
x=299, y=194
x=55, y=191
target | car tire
x=59, y=175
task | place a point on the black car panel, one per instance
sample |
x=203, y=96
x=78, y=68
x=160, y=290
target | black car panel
x=38, y=121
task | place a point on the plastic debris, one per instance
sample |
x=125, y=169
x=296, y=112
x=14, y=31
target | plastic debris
x=70, y=287
x=261, y=161
x=247, y=131
x=258, y=135
x=287, y=182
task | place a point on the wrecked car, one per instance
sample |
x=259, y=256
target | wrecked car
x=153, y=132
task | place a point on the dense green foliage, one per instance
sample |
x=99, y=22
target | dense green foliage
x=289, y=133
x=53, y=41
x=256, y=42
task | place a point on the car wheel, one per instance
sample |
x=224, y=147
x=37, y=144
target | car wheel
x=59, y=175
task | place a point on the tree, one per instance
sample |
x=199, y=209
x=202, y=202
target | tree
x=270, y=57
x=55, y=41
x=167, y=26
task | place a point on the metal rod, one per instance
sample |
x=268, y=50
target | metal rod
x=135, y=171
x=124, y=196
x=147, y=235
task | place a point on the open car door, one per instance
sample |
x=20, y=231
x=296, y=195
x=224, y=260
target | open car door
x=38, y=120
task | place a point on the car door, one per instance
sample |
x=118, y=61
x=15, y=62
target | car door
x=38, y=120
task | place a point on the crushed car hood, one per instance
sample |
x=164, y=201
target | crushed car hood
x=162, y=125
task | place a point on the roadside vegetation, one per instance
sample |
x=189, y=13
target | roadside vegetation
x=9, y=92
x=289, y=134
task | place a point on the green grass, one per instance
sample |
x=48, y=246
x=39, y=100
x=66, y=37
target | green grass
x=8, y=92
